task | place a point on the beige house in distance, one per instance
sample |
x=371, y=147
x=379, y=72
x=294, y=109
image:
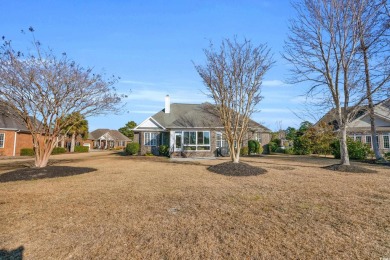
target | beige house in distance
x=360, y=128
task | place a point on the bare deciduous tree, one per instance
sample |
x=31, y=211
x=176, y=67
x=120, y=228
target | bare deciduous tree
x=373, y=33
x=42, y=90
x=323, y=45
x=233, y=76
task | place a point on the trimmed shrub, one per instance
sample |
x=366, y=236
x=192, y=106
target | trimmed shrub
x=254, y=147
x=267, y=149
x=251, y=146
x=132, y=148
x=356, y=149
x=272, y=146
x=81, y=149
x=244, y=151
x=302, y=145
x=387, y=156
x=259, y=149
x=280, y=150
x=58, y=150
x=289, y=150
x=26, y=152
x=163, y=150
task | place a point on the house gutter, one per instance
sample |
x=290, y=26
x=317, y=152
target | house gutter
x=17, y=131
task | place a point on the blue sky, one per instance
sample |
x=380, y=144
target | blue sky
x=151, y=45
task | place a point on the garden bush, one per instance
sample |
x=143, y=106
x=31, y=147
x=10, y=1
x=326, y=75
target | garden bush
x=301, y=145
x=244, y=150
x=280, y=150
x=267, y=149
x=272, y=146
x=251, y=146
x=254, y=147
x=289, y=150
x=81, y=149
x=163, y=150
x=132, y=148
x=259, y=149
x=58, y=150
x=26, y=152
x=387, y=156
x=356, y=149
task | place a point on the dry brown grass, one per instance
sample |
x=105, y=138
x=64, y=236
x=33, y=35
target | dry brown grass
x=133, y=208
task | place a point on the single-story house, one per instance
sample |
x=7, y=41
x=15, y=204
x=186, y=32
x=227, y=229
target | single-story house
x=190, y=130
x=107, y=139
x=14, y=134
x=360, y=127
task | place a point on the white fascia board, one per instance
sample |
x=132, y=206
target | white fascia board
x=139, y=127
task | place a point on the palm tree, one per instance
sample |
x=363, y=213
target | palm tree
x=78, y=125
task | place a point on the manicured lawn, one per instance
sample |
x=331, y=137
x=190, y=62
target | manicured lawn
x=152, y=208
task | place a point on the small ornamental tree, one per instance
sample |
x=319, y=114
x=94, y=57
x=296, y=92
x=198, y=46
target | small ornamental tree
x=127, y=130
x=233, y=76
x=42, y=89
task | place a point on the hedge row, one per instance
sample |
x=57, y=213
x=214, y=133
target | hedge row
x=56, y=150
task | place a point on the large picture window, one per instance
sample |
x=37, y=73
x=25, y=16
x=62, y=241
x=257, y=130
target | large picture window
x=150, y=139
x=196, y=140
x=2, y=139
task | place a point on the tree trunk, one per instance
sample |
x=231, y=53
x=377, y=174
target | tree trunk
x=62, y=141
x=375, y=146
x=43, y=147
x=73, y=142
x=237, y=159
x=232, y=152
x=343, y=147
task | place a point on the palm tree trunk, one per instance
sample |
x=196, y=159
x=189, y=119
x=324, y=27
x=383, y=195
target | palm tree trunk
x=73, y=142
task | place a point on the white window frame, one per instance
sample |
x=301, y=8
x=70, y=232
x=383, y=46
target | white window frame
x=220, y=141
x=355, y=138
x=150, y=138
x=386, y=143
x=368, y=137
x=2, y=140
x=193, y=142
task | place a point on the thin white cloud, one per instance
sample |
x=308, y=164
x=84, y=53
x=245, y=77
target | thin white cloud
x=135, y=82
x=181, y=96
x=274, y=83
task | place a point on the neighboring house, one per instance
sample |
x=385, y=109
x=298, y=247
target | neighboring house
x=107, y=139
x=190, y=130
x=360, y=128
x=14, y=134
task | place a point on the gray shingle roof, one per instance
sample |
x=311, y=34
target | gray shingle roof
x=115, y=134
x=194, y=116
x=10, y=121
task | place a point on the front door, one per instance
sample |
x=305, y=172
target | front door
x=178, y=142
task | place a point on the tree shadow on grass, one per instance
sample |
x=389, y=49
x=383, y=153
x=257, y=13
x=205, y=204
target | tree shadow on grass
x=236, y=169
x=26, y=174
x=348, y=168
x=16, y=254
